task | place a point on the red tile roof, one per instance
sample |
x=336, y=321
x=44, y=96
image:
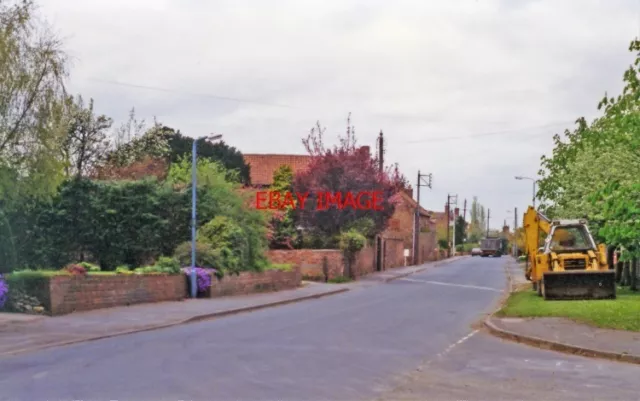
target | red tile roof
x=264, y=165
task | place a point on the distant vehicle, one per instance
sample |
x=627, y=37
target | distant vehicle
x=491, y=247
x=476, y=252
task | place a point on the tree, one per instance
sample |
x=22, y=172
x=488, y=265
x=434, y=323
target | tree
x=86, y=143
x=33, y=67
x=607, y=148
x=229, y=157
x=343, y=169
x=283, y=233
x=477, y=226
x=152, y=144
x=460, y=230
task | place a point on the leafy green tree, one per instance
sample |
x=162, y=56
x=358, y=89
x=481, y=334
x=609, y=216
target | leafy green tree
x=225, y=200
x=86, y=143
x=33, y=67
x=283, y=233
x=230, y=157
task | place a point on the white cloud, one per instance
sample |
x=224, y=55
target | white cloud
x=415, y=69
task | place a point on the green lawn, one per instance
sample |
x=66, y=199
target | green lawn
x=622, y=313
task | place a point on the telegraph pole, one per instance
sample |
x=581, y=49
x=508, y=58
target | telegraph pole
x=424, y=180
x=515, y=234
x=381, y=152
x=451, y=200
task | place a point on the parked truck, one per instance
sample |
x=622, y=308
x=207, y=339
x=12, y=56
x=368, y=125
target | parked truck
x=491, y=247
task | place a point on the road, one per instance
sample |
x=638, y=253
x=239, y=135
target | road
x=408, y=339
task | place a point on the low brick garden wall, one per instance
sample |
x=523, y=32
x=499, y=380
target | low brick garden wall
x=67, y=294
x=310, y=261
x=253, y=282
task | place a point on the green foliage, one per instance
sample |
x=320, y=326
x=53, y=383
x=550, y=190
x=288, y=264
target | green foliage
x=206, y=255
x=33, y=67
x=339, y=280
x=282, y=233
x=443, y=244
x=167, y=265
x=620, y=216
x=153, y=143
x=285, y=267
x=123, y=269
x=85, y=144
x=351, y=242
x=622, y=313
x=460, y=248
x=90, y=267
x=229, y=157
x=238, y=231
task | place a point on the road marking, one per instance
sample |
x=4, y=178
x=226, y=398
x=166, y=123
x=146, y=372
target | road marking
x=452, y=285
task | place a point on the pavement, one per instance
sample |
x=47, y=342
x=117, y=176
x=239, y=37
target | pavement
x=26, y=333
x=406, y=339
x=564, y=335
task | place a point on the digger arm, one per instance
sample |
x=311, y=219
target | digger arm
x=534, y=223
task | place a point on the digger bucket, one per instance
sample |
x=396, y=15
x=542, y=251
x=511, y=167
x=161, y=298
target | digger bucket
x=572, y=285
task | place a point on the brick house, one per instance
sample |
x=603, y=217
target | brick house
x=264, y=165
x=390, y=244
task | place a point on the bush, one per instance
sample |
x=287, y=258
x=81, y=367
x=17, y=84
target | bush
x=460, y=248
x=285, y=267
x=350, y=243
x=203, y=278
x=443, y=244
x=167, y=265
x=206, y=255
x=89, y=267
x=27, y=288
x=339, y=280
x=123, y=269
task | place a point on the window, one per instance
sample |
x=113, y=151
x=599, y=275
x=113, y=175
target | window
x=570, y=238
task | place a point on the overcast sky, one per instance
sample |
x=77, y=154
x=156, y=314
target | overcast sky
x=428, y=73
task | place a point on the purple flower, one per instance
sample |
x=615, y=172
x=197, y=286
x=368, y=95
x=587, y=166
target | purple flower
x=4, y=290
x=203, y=277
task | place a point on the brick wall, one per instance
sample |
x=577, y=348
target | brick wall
x=69, y=294
x=310, y=261
x=365, y=262
x=393, y=252
x=253, y=282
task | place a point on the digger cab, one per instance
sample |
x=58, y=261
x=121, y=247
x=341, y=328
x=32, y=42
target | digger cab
x=569, y=238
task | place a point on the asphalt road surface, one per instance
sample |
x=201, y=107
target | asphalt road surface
x=408, y=339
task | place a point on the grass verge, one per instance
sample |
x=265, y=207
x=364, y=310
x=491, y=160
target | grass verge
x=622, y=313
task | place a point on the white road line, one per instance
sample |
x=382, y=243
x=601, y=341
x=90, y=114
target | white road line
x=452, y=285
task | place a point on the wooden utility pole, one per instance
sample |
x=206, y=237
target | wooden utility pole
x=416, y=218
x=381, y=152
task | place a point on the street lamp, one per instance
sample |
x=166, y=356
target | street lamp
x=194, y=169
x=534, y=187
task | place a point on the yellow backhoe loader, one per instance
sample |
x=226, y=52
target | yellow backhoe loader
x=563, y=260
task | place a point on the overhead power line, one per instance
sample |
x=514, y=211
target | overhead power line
x=483, y=134
x=155, y=88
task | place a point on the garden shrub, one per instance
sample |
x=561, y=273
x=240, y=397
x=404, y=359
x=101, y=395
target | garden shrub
x=90, y=267
x=351, y=242
x=28, y=289
x=203, y=278
x=206, y=255
x=443, y=244
x=167, y=265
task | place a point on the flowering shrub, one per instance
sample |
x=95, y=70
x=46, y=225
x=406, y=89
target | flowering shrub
x=203, y=277
x=4, y=290
x=75, y=269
